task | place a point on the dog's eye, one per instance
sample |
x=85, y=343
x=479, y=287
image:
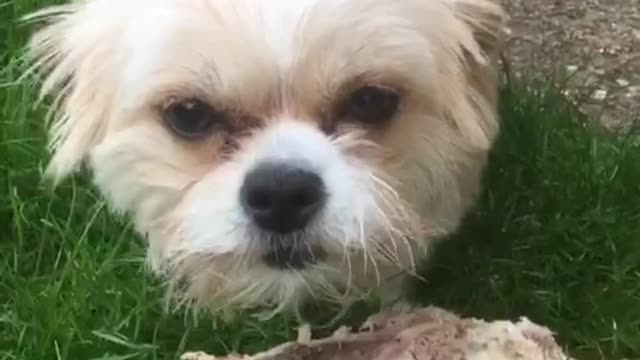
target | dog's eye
x=372, y=104
x=192, y=119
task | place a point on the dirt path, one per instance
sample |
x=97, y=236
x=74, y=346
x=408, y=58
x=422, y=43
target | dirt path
x=593, y=44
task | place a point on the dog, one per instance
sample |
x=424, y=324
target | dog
x=271, y=152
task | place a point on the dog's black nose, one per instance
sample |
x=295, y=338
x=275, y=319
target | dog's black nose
x=282, y=198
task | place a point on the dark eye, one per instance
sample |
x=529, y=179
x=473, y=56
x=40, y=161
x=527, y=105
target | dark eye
x=372, y=104
x=192, y=119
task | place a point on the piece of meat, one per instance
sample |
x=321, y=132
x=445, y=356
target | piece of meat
x=426, y=334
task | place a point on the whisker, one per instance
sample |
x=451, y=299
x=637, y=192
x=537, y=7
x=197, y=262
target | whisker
x=307, y=284
x=349, y=278
x=375, y=266
x=390, y=231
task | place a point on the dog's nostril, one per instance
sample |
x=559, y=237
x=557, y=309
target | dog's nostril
x=304, y=197
x=281, y=197
x=259, y=199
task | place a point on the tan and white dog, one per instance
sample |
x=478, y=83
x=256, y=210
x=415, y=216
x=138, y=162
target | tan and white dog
x=272, y=151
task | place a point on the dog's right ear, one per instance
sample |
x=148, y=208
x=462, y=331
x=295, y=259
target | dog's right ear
x=72, y=53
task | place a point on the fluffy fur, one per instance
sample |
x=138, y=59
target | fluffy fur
x=279, y=65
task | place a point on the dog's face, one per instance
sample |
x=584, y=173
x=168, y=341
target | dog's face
x=274, y=149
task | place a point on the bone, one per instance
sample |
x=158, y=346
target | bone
x=426, y=334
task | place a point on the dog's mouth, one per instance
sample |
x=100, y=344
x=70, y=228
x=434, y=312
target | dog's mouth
x=292, y=257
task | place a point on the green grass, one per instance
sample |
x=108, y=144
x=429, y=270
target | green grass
x=556, y=237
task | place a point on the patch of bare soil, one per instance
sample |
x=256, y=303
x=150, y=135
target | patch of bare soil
x=590, y=47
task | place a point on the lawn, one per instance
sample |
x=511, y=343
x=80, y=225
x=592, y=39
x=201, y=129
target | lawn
x=556, y=237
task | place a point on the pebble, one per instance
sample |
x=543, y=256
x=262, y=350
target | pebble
x=599, y=95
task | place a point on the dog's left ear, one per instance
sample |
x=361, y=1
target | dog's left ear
x=481, y=33
x=488, y=23
x=73, y=52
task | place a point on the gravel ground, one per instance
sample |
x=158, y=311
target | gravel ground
x=591, y=46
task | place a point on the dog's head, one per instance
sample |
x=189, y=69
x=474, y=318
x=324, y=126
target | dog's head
x=272, y=149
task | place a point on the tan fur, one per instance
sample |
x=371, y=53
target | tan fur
x=421, y=173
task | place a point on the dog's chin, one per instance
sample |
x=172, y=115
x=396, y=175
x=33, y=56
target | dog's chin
x=283, y=275
x=278, y=272
x=277, y=282
x=288, y=256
